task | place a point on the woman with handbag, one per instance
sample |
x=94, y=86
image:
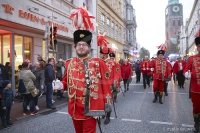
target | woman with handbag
x=28, y=78
x=39, y=82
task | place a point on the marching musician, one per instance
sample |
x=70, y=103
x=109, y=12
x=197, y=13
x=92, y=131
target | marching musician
x=192, y=72
x=85, y=78
x=161, y=73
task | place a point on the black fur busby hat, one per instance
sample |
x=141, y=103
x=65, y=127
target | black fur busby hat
x=82, y=35
x=161, y=52
x=104, y=50
x=197, y=40
x=112, y=54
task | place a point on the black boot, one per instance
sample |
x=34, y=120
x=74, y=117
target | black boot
x=155, y=97
x=9, y=123
x=160, y=98
x=107, y=120
x=196, y=125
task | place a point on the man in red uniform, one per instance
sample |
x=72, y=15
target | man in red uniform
x=114, y=76
x=145, y=68
x=178, y=68
x=192, y=71
x=85, y=78
x=161, y=73
x=116, y=72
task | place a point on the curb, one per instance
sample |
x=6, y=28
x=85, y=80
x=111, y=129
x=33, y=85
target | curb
x=42, y=112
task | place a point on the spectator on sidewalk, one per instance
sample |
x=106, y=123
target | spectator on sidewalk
x=137, y=71
x=9, y=70
x=49, y=77
x=39, y=82
x=28, y=78
x=7, y=101
x=59, y=76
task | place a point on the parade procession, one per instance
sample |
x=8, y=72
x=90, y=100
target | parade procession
x=89, y=66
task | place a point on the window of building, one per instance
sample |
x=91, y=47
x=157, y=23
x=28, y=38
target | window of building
x=6, y=48
x=173, y=22
x=129, y=35
x=102, y=22
x=179, y=22
x=111, y=32
x=119, y=33
x=108, y=27
x=116, y=31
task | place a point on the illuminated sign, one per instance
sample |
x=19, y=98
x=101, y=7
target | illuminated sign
x=32, y=17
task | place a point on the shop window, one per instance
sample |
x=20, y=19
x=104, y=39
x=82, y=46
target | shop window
x=18, y=50
x=27, y=47
x=6, y=48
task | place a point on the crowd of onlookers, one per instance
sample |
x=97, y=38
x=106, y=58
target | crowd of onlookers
x=38, y=76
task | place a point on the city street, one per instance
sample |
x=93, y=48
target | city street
x=135, y=114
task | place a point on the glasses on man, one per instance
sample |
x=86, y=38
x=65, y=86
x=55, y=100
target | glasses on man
x=82, y=44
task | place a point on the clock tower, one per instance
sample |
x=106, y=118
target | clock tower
x=173, y=21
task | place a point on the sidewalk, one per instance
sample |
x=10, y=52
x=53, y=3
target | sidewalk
x=17, y=109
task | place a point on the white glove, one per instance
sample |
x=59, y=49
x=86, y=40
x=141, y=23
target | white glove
x=144, y=69
x=57, y=85
x=188, y=74
x=147, y=68
x=152, y=69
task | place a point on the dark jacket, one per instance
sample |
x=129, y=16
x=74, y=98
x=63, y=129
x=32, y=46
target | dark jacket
x=3, y=73
x=7, y=98
x=59, y=69
x=137, y=67
x=49, y=73
x=39, y=74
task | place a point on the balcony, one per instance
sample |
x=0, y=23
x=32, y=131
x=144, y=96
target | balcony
x=129, y=22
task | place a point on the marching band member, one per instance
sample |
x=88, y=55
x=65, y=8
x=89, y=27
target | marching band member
x=85, y=78
x=192, y=71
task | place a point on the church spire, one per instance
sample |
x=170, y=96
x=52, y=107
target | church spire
x=171, y=2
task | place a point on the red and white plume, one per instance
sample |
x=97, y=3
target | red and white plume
x=111, y=50
x=82, y=19
x=162, y=47
x=101, y=40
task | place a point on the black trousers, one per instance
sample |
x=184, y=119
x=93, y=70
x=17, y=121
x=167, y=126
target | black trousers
x=165, y=87
x=126, y=84
x=5, y=115
x=146, y=80
x=181, y=78
x=138, y=75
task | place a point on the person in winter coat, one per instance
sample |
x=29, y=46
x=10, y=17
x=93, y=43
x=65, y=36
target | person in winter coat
x=59, y=76
x=137, y=71
x=28, y=79
x=126, y=73
x=6, y=103
x=39, y=82
x=9, y=70
x=49, y=77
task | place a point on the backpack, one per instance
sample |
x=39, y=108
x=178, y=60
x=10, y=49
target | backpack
x=21, y=87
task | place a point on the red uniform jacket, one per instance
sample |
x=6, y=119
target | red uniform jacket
x=74, y=81
x=145, y=67
x=126, y=71
x=115, y=71
x=177, y=65
x=159, y=68
x=193, y=65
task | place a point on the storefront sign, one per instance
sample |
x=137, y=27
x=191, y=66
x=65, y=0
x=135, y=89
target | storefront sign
x=31, y=17
x=8, y=8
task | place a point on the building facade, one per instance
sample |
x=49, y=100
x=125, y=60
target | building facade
x=193, y=28
x=130, y=48
x=24, y=29
x=110, y=19
x=173, y=21
x=182, y=42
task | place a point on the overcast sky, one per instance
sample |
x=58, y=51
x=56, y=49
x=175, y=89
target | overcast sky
x=150, y=18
